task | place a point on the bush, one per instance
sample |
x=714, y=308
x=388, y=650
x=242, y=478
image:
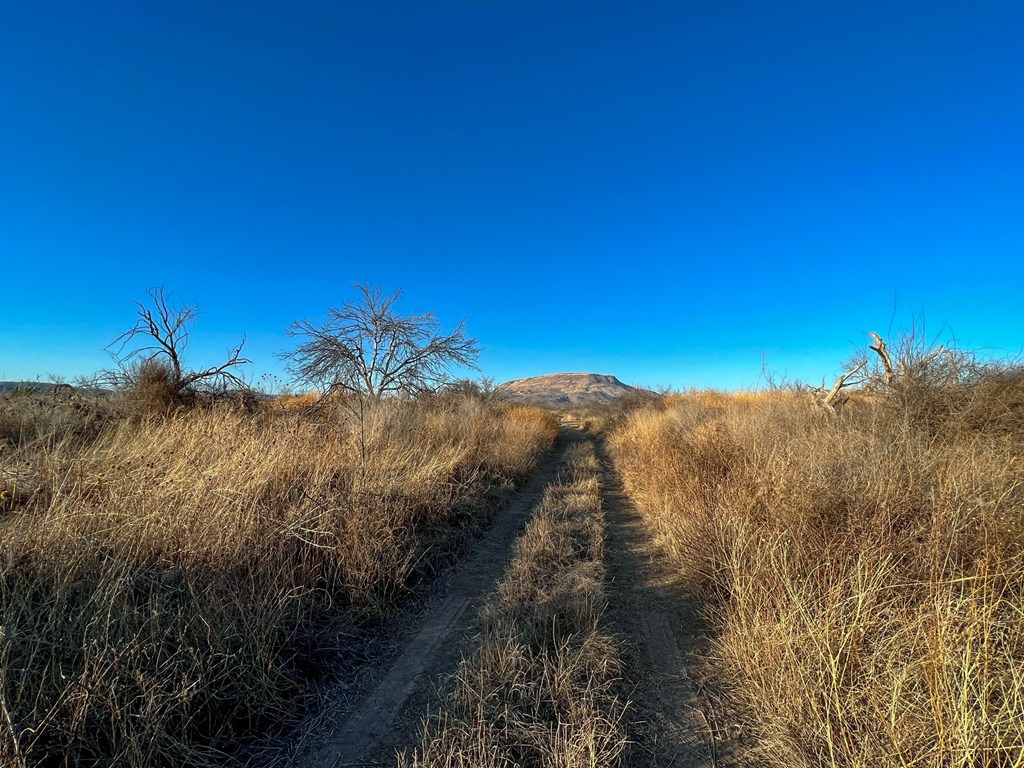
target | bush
x=152, y=391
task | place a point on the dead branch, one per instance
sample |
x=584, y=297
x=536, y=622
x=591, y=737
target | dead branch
x=833, y=400
x=222, y=375
x=922, y=364
x=906, y=365
x=882, y=351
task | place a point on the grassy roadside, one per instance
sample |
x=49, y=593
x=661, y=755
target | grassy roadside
x=864, y=572
x=167, y=585
x=539, y=690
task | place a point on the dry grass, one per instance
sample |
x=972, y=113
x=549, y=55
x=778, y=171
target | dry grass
x=865, y=572
x=169, y=586
x=29, y=417
x=540, y=689
x=297, y=402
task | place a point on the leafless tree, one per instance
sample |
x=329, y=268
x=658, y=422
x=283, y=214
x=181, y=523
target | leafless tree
x=159, y=338
x=369, y=350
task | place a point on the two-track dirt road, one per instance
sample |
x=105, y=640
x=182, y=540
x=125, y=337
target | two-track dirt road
x=659, y=629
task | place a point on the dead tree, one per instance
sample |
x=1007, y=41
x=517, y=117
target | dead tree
x=913, y=358
x=912, y=361
x=366, y=351
x=159, y=338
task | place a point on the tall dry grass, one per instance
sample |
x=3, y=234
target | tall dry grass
x=540, y=689
x=864, y=572
x=169, y=587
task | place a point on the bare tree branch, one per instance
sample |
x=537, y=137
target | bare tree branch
x=833, y=400
x=882, y=351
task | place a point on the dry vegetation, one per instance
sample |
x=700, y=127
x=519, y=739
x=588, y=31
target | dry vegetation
x=540, y=689
x=864, y=570
x=168, y=584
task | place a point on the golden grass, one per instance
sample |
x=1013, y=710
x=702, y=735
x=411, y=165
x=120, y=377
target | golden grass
x=864, y=573
x=540, y=688
x=297, y=402
x=169, y=586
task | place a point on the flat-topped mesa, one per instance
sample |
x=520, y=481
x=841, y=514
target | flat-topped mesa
x=558, y=389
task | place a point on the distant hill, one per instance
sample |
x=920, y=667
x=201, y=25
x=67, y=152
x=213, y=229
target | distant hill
x=45, y=387
x=40, y=386
x=567, y=389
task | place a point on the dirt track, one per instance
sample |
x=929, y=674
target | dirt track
x=368, y=730
x=661, y=630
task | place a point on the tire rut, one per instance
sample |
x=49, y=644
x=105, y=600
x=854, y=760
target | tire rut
x=664, y=635
x=386, y=719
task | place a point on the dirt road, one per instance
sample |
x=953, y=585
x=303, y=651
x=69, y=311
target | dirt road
x=662, y=632
x=369, y=729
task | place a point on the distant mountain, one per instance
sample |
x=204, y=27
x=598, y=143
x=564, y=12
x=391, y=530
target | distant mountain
x=567, y=389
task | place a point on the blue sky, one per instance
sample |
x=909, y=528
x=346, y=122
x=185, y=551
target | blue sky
x=667, y=191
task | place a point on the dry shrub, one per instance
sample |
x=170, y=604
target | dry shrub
x=540, y=688
x=865, y=572
x=171, y=585
x=519, y=423
x=153, y=390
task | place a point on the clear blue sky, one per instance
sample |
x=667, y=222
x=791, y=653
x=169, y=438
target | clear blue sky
x=666, y=191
